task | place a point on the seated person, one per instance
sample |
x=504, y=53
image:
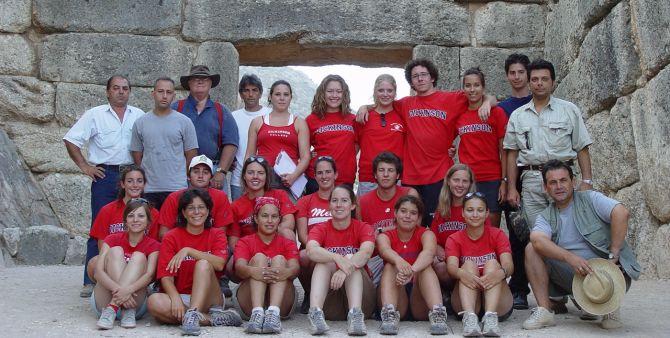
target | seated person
x=192, y=258
x=266, y=263
x=577, y=226
x=480, y=258
x=124, y=268
x=408, y=252
x=341, y=248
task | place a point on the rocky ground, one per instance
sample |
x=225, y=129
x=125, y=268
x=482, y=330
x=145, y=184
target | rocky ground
x=44, y=302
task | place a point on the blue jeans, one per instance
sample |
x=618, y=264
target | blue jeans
x=235, y=191
x=103, y=191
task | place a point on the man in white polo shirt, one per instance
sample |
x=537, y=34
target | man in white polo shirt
x=106, y=129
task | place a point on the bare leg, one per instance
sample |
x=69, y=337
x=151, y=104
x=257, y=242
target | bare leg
x=135, y=268
x=536, y=271
x=115, y=263
x=492, y=295
x=277, y=289
x=469, y=298
x=354, y=286
x=321, y=276
x=258, y=288
x=90, y=268
x=443, y=276
x=426, y=294
x=230, y=270
x=159, y=306
x=390, y=292
x=306, y=267
x=206, y=291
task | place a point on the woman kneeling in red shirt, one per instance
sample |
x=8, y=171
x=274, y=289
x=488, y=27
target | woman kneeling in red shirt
x=190, y=263
x=266, y=262
x=480, y=258
x=408, y=251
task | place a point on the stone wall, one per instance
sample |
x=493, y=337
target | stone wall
x=611, y=59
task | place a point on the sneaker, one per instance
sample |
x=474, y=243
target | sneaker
x=220, y=317
x=317, y=322
x=107, y=318
x=390, y=319
x=255, y=324
x=272, y=322
x=356, y=323
x=490, y=325
x=558, y=305
x=190, y=325
x=225, y=288
x=86, y=290
x=304, y=307
x=520, y=301
x=539, y=318
x=612, y=320
x=128, y=318
x=471, y=325
x=438, y=321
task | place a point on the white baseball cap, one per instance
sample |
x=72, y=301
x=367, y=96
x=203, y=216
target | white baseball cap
x=201, y=159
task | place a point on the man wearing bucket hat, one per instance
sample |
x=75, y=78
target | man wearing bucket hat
x=214, y=125
x=570, y=240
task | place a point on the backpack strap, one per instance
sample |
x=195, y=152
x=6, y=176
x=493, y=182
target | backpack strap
x=219, y=114
x=180, y=105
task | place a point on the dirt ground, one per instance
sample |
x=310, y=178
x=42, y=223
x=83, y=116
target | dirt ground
x=44, y=302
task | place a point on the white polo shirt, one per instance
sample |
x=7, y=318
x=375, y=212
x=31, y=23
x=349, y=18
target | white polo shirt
x=108, y=137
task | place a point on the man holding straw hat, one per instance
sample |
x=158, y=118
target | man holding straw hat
x=580, y=236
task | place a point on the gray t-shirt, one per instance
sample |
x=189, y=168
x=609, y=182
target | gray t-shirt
x=569, y=238
x=163, y=141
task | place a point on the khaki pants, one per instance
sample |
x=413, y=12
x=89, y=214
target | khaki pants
x=533, y=197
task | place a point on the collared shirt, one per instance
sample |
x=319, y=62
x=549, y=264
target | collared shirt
x=207, y=127
x=108, y=137
x=557, y=132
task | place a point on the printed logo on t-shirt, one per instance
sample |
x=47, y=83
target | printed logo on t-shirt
x=343, y=250
x=116, y=227
x=428, y=113
x=479, y=260
x=279, y=133
x=396, y=127
x=384, y=225
x=318, y=215
x=334, y=127
x=451, y=226
x=474, y=128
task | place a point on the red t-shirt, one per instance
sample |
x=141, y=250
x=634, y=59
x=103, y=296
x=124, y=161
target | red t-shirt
x=273, y=139
x=252, y=244
x=334, y=136
x=212, y=241
x=110, y=221
x=314, y=208
x=430, y=122
x=342, y=242
x=443, y=228
x=409, y=250
x=243, y=209
x=380, y=214
x=490, y=245
x=479, y=145
x=146, y=246
x=373, y=138
x=222, y=216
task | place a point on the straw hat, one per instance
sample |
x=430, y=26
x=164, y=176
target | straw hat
x=601, y=291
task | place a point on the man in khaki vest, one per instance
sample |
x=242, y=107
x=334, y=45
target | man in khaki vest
x=577, y=226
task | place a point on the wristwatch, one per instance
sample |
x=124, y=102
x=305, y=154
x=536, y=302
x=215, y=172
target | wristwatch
x=612, y=256
x=589, y=181
x=505, y=179
x=221, y=170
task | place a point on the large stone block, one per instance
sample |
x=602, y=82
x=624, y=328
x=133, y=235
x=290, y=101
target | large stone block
x=607, y=66
x=222, y=58
x=567, y=24
x=41, y=146
x=26, y=98
x=650, y=114
x=70, y=196
x=613, y=156
x=10, y=239
x=15, y=16
x=492, y=63
x=73, y=99
x=120, y=16
x=651, y=20
x=642, y=226
x=661, y=252
x=22, y=202
x=43, y=245
x=501, y=24
x=76, y=251
x=93, y=58
x=344, y=23
x=17, y=55
x=447, y=61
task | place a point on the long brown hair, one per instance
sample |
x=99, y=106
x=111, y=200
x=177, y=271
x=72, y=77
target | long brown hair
x=319, y=102
x=444, y=201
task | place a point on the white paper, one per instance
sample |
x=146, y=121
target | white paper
x=285, y=165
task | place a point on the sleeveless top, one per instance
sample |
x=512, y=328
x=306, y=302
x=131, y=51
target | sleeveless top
x=273, y=139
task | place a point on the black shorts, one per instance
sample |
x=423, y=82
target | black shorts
x=490, y=190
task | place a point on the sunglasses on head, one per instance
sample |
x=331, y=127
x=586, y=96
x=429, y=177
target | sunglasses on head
x=325, y=157
x=139, y=199
x=474, y=194
x=257, y=159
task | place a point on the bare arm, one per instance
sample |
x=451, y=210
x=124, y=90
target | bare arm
x=489, y=102
x=287, y=226
x=513, y=197
x=78, y=159
x=137, y=157
x=252, y=137
x=548, y=249
x=190, y=154
x=619, y=228
x=502, y=192
x=360, y=259
x=148, y=276
x=246, y=271
x=425, y=258
x=584, y=160
x=217, y=262
x=319, y=254
x=301, y=225
x=303, y=146
x=101, y=275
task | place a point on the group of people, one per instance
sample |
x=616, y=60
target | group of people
x=418, y=240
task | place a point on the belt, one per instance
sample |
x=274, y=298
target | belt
x=113, y=167
x=539, y=167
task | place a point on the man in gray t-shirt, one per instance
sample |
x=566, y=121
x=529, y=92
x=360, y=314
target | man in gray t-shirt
x=163, y=142
x=576, y=227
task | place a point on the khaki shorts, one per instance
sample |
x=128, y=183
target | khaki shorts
x=335, y=307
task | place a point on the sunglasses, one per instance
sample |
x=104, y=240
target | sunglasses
x=257, y=159
x=139, y=199
x=474, y=194
x=383, y=121
x=325, y=157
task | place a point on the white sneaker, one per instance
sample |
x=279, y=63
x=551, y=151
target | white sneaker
x=612, y=320
x=539, y=318
x=128, y=318
x=471, y=325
